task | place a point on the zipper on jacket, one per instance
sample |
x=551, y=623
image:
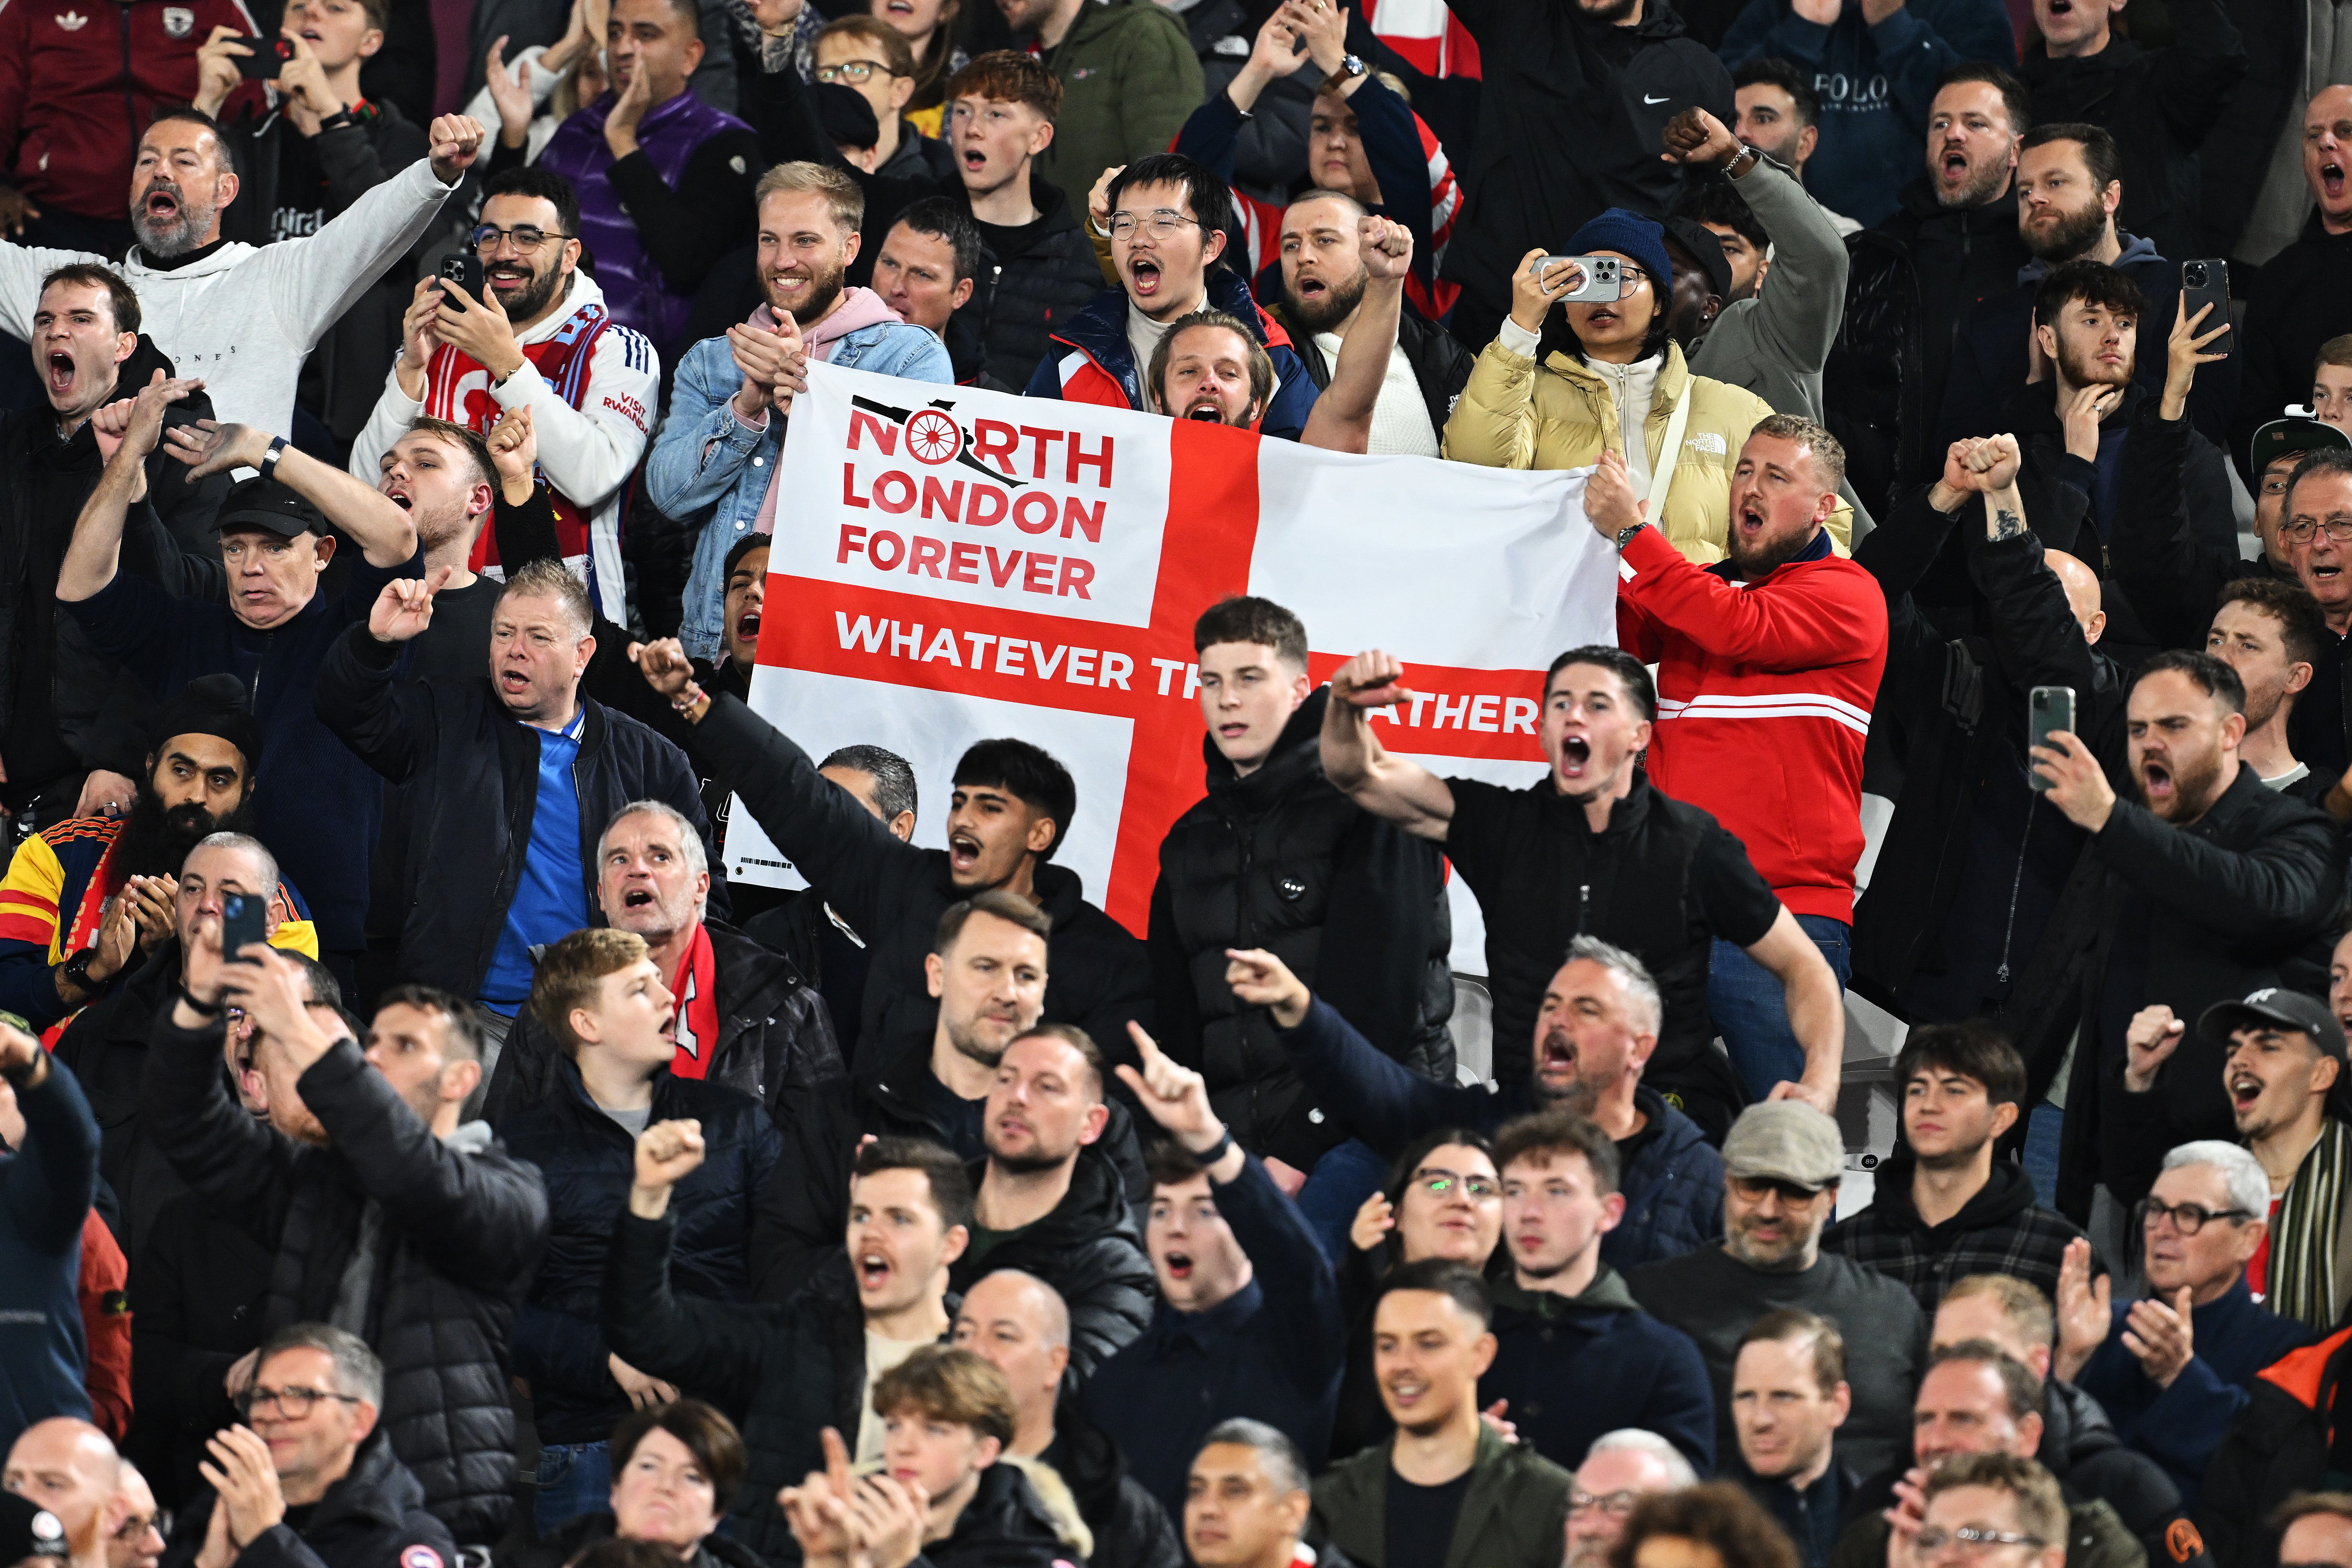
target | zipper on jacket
x=2025, y=841
x=1583, y=905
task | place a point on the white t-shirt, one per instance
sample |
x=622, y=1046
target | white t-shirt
x=1399, y=415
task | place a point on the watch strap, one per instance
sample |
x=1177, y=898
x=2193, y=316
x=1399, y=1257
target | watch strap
x=269, y=458
x=1625, y=536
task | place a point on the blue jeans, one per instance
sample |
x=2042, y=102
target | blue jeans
x=2044, y=1130
x=574, y=1478
x=1751, y=1012
x=1342, y=1179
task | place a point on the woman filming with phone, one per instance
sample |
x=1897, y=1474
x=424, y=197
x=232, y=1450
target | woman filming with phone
x=1580, y=368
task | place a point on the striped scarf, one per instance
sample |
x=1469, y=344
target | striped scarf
x=2302, y=1278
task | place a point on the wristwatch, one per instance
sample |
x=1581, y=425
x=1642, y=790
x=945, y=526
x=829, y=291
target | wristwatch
x=77, y=969
x=1353, y=64
x=1625, y=534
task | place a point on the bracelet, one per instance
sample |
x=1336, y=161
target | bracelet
x=1217, y=1151
x=688, y=698
x=209, y=1009
x=268, y=469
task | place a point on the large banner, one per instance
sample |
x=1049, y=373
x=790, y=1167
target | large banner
x=952, y=564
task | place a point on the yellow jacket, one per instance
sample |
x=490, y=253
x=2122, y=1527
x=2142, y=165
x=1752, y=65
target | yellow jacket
x=1515, y=414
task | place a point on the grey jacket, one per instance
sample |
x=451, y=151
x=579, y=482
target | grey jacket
x=1774, y=343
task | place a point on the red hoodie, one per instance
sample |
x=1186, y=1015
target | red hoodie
x=81, y=80
x=1764, y=698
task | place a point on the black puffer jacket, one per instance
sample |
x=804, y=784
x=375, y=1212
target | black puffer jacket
x=1031, y=278
x=461, y=1227
x=1356, y=906
x=1441, y=365
x=783, y=1372
x=1005, y=1525
x=470, y=773
x=2294, y=1435
x=1087, y=1250
x=375, y=1515
x=588, y=1162
x=893, y=894
x=2160, y=105
x=775, y=1036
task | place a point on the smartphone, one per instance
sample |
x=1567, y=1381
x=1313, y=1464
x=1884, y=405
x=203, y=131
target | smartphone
x=242, y=915
x=2206, y=283
x=464, y=269
x=268, y=58
x=1600, y=278
x=2051, y=708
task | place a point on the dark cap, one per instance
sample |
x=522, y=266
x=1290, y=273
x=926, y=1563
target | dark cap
x=2292, y=432
x=848, y=120
x=27, y=1530
x=2275, y=1007
x=211, y=705
x=267, y=504
x=1705, y=249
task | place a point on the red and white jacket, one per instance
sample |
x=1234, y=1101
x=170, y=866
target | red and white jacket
x=1764, y=698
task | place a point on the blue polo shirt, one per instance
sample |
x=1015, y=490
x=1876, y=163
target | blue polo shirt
x=551, y=899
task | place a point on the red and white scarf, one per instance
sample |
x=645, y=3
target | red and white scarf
x=696, y=985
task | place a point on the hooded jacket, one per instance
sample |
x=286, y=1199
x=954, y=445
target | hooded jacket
x=1087, y=1250
x=1574, y=1367
x=1097, y=362
x=243, y=318
x=1512, y=1516
x=1354, y=905
x=2160, y=104
x=1008, y=1523
x=893, y=894
x=1875, y=85
x=588, y=1162
x=1031, y=279
x=1999, y=1230
x=2293, y=1435
x=1129, y=78
x=458, y=1225
x=1518, y=411
x=1570, y=116
x=375, y=1514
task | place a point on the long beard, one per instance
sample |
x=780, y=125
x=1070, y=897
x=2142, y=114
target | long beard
x=155, y=842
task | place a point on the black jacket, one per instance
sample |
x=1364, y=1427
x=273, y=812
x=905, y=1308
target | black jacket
x=106, y=1045
x=562, y=1546
x=588, y=1162
x=1570, y=117
x=461, y=1227
x=775, y=1036
x=2160, y=105
x=1909, y=282
x=470, y=778
x=2245, y=897
x=1087, y=1250
x=2246, y=134
x=1353, y=904
x=893, y=894
x=374, y=1516
x=1131, y=1528
x=1005, y=1525
x=783, y=1372
x=1032, y=278
x=2301, y=297
x=1441, y=365
x=2294, y=1435
x=198, y=1290
x=1271, y=150
x=1973, y=861
x=2164, y=548
x=100, y=710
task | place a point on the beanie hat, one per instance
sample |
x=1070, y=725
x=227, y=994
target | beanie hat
x=211, y=705
x=1706, y=250
x=848, y=120
x=1630, y=234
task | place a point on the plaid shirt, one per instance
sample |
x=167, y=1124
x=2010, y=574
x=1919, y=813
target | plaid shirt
x=2001, y=1230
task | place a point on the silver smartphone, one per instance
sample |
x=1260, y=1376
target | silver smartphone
x=2049, y=707
x=1602, y=280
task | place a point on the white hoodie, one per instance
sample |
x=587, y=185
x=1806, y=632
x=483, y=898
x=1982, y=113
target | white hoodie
x=243, y=318
x=588, y=452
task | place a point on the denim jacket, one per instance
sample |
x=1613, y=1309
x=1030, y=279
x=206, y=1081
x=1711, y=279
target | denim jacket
x=710, y=465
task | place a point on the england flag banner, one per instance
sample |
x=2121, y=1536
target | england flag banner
x=952, y=564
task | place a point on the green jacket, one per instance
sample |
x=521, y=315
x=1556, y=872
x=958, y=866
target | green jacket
x=1512, y=1517
x=1130, y=79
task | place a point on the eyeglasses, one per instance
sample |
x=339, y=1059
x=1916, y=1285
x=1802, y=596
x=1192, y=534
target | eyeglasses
x=523, y=237
x=1754, y=1188
x=1616, y=1505
x=2339, y=529
x=291, y=1403
x=2186, y=1218
x=1437, y=1183
x=1629, y=278
x=1163, y=224
x=137, y=1525
x=853, y=71
x=1972, y=1539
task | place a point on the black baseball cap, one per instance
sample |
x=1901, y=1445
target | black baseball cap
x=1705, y=249
x=2275, y=1007
x=848, y=120
x=2296, y=432
x=267, y=504
x=29, y=1531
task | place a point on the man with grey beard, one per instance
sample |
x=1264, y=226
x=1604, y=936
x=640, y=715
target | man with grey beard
x=1781, y=1165
x=239, y=317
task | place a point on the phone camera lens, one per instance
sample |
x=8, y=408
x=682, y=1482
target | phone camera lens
x=2196, y=275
